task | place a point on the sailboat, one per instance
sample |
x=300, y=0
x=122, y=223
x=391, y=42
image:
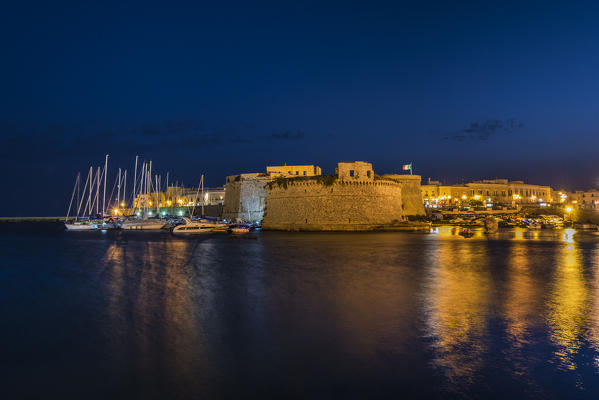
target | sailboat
x=145, y=184
x=80, y=221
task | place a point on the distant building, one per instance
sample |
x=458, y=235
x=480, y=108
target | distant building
x=489, y=192
x=585, y=199
x=288, y=171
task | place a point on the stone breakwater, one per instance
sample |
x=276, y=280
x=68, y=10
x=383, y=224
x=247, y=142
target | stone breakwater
x=314, y=205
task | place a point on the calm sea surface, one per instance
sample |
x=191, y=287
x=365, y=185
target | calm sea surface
x=320, y=315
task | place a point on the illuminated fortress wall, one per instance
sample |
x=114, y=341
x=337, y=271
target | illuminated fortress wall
x=411, y=193
x=354, y=200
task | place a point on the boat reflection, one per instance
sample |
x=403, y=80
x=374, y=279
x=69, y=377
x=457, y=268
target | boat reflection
x=150, y=295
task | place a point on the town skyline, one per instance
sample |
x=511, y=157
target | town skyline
x=469, y=92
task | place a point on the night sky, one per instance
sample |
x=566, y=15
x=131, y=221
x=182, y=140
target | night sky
x=464, y=91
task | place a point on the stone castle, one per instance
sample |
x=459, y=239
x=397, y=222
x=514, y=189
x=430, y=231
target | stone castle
x=300, y=198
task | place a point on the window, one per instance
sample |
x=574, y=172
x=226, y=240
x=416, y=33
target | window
x=351, y=172
x=305, y=173
x=368, y=173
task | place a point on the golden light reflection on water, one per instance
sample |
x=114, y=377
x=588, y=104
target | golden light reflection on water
x=521, y=295
x=567, y=304
x=593, y=318
x=458, y=302
x=523, y=299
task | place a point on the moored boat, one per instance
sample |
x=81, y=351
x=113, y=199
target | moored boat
x=199, y=227
x=239, y=229
x=143, y=224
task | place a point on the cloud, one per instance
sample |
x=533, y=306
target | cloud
x=485, y=130
x=288, y=135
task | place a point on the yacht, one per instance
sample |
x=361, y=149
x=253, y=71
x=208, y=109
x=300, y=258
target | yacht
x=84, y=225
x=201, y=226
x=143, y=224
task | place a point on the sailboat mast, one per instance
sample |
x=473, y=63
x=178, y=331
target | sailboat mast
x=98, y=191
x=125, y=191
x=134, y=181
x=91, y=186
x=83, y=194
x=118, y=193
x=72, y=196
x=104, y=194
x=202, y=183
x=157, y=190
x=167, y=194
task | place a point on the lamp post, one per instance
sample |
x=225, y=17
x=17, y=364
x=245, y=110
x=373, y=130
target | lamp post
x=567, y=215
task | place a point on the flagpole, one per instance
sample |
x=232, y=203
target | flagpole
x=411, y=167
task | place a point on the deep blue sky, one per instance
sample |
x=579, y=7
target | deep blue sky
x=465, y=90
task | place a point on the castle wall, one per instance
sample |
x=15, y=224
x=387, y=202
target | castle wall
x=344, y=205
x=411, y=193
x=245, y=197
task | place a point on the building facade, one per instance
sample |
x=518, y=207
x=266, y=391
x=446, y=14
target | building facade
x=585, y=199
x=488, y=192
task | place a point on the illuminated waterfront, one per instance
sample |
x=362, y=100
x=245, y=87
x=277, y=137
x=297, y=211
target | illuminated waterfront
x=513, y=314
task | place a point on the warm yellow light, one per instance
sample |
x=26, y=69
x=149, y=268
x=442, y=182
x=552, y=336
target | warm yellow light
x=476, y=197
x=464, y=197
x=168, y=203
x=116, y=211
x=568, y=209
x=150, y=203
x=122, y=204
x=180, y=201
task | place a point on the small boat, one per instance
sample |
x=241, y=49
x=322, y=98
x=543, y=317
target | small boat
x=239, y=229
x=199, y=227
x=534, y=225
x=81, y=226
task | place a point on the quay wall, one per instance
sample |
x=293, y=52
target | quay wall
x=411, y=193
x=311, y=205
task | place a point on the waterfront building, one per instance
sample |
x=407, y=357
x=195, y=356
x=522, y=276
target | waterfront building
x=177, y=199
x=585, y=199
x=487, y=192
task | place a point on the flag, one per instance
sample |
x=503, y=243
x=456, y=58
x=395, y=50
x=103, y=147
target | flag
x=406, y=167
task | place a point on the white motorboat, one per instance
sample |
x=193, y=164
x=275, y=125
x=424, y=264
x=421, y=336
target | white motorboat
x=143, y=224
x=197, y=227
x=81, y=226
